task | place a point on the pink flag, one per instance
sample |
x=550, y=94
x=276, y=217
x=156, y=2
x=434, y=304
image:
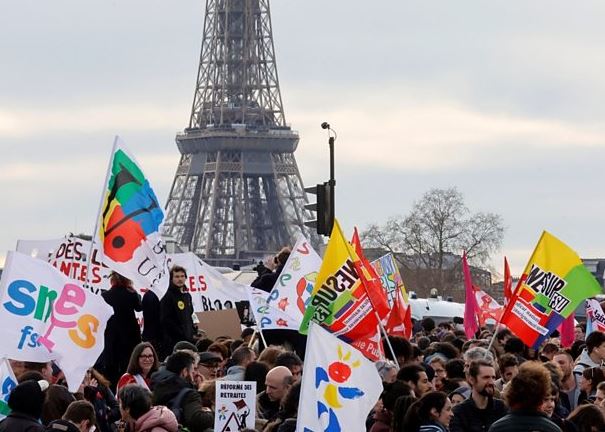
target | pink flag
x=471, y=308
x=566, y=330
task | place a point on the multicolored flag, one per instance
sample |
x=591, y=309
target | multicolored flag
x=292, y=290
x=553, y=284
x=339, y=300
x=128, y=225
x=339, y=385
x=508, y=282
x=471, y=308
x=7, y=383
x=489, y=309
x=388, y=272
x=370, y=279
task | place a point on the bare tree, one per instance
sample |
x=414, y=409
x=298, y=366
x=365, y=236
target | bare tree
x=438, y=225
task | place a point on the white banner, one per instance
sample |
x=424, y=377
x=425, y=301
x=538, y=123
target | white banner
x=235, y=407
x=340, y=386
x=45, y=316
x=293, y=288
x=7, y=383
x=267, y=316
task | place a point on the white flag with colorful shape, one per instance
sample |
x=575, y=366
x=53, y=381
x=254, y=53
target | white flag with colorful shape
x=340, y=386
x=268, y=317
x=129, y=224
x=292, y=291
x=7, y=383
x=595, y=318
x=46, y=316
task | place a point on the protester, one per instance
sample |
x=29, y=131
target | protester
x=122, y=333
x=431, y=413
x=387, y=371
x=525, y=395
x=402, y=405
x=173, y=387
x=292, y=361
x=176, y=310
x=585, y=418
x=143, y=363
x=44, y=368
x=416, y=377
x=589, y=380
x=569, y=395
x=594, y=353
x=257, y=371
x=285, y=421
x=152, y=323
x=481, y=410
x=269, y=355
x=509, y=367
x=266, y=278
x=209, y=365
x=139, y=415
x=56, y=400
x=383, y=418
x=241, y=358
x=95, y=389
x=25, y=401
x=278, y=381
x=79, y=417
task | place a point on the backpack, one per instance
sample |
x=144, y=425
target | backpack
x=175, y=405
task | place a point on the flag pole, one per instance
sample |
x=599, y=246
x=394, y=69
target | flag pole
x=94, y=233
x=386, y=337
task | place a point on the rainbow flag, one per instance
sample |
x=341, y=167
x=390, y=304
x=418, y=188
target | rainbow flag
x=129, y=222
x=554, y=283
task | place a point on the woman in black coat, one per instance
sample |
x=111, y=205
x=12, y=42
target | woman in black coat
x=123, y=332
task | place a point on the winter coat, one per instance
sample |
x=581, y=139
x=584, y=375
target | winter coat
x=176, y=314
x=107, y=409
x=289, y=425
x=166, y=386
x=234, y=373
x=584, y=362
x=17, y=422
x=122, y=333
x=265, y=407
x=469, y=418
x=266, y=281
x=518, y=421
x=152, y=326
x=62, y=426
x=157, y=419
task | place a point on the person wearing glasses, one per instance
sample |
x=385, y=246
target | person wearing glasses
x=143, y=363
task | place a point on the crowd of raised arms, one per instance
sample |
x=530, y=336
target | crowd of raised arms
x=164, y=378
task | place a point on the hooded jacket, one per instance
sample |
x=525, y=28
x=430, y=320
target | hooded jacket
x=157, y=419
x=166, y=386
x=584, y=362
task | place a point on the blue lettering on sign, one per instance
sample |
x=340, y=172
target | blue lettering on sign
x=7, y=386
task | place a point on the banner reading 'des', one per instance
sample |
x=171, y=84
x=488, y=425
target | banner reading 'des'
x=7, y=383
x=45, y=316
x=235, y=405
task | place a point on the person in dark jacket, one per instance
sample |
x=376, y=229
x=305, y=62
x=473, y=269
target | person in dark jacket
x=266, y=279
x=481, y=410
x=25, y=401
x=152, y=324
x=178, y=377
x=431, y=413
x=176, y=310
x=122, y=333
x=96, y=391
x=79, y=417
x=525, y=395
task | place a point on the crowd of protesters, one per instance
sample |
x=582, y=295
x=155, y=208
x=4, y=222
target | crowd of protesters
x=164, y=379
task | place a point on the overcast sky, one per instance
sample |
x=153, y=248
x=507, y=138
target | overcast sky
x=503, y=99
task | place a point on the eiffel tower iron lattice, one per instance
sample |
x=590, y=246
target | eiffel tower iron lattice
x=237, y=194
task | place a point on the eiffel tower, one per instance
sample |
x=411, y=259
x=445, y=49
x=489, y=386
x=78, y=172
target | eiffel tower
x=237, y=193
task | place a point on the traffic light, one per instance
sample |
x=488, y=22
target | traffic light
x=324, y=208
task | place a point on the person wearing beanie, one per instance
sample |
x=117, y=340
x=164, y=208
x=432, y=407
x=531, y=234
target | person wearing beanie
x=25, y=401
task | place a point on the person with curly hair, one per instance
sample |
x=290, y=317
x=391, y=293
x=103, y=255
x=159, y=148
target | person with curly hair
x=525, y=395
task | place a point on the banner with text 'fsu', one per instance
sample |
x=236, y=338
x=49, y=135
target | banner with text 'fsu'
x=129, y=221
x=339, y=300
x=553, y=284
x=46, y=316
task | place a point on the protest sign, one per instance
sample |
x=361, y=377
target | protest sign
x=220, y=323
x=235, y=405
x=267, y=316
x=46, y=317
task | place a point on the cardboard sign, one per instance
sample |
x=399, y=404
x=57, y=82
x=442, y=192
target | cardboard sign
x=220, y=323
x=235, y=405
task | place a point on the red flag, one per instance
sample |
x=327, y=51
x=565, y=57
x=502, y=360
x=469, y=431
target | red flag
x=566, y=330
x=400, y=319
x=471, y=308
x=508, y=283
x=371, y=281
